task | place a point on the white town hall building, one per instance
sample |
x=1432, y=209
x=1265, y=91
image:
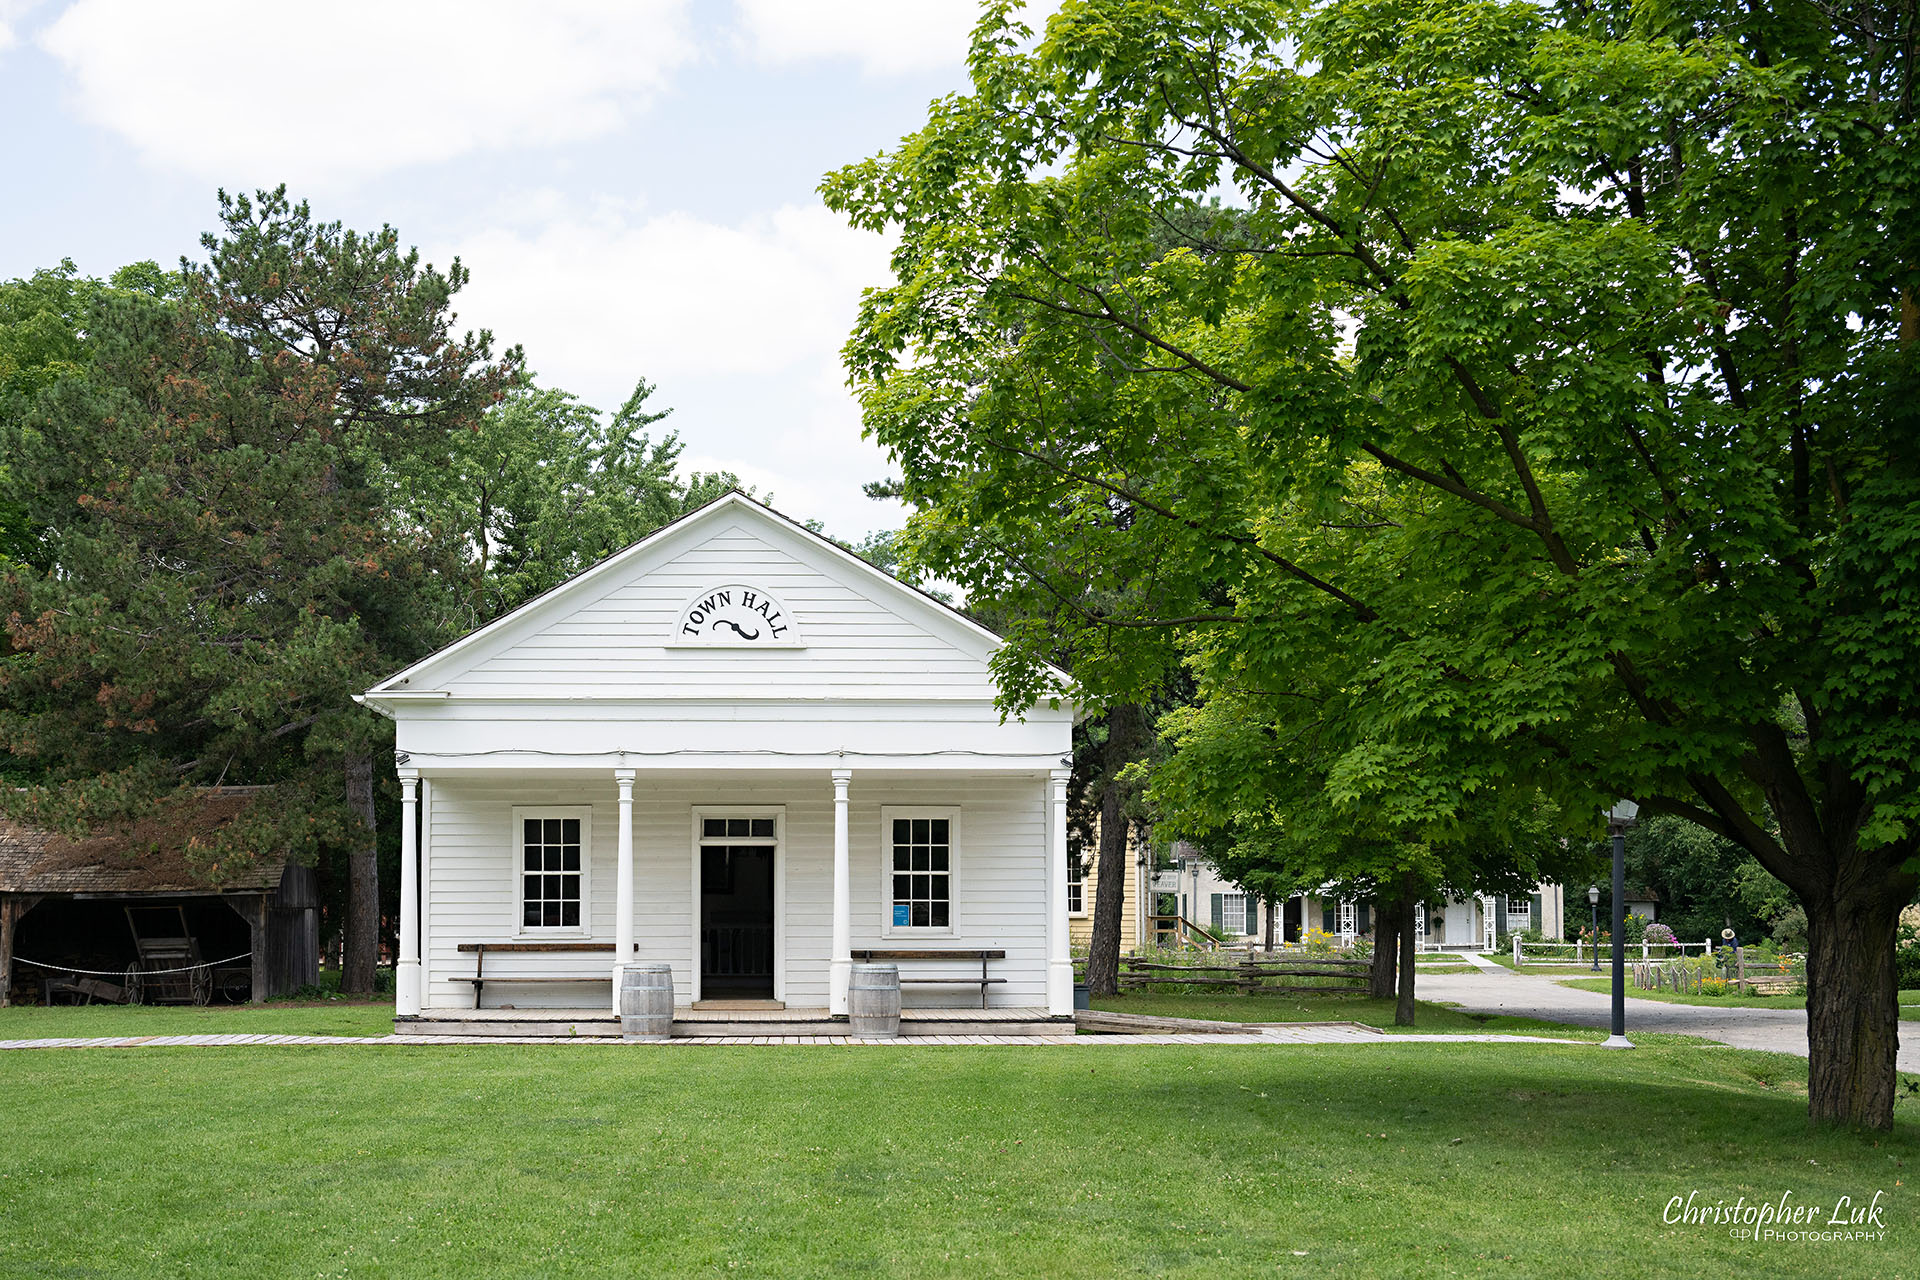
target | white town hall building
x=739, y=749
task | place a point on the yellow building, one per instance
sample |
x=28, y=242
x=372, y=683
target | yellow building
x=1083, y=880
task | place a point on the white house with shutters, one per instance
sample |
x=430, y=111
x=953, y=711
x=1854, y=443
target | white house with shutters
x=1203, y=896
x=737, y=748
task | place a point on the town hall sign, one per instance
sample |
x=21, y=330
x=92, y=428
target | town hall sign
x=735, y=615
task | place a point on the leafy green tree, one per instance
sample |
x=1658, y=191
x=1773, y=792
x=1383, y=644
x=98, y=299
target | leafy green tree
x=43, y=339
x=543, y=488
x=1552, y=380
x=1251, y=791
x=224, y=568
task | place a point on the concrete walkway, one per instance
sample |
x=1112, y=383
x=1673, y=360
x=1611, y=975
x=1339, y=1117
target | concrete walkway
x=1495, y=989
x=1254, y=1036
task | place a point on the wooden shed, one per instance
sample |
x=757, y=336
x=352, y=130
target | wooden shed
x=73, y=909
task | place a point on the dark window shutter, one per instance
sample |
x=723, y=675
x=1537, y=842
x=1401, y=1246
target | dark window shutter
x=1330, y=917
x=1365, y=921
x=1219, y=912
x=1253, y=915
x=1538, y=919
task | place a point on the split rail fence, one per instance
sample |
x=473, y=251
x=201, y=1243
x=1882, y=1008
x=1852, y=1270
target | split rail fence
x=1248, y=974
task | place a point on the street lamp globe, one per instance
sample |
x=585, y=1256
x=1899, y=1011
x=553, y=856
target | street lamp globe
x=1593, y=894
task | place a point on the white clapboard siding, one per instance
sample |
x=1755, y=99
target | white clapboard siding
x=471, y=889
x=614, y=641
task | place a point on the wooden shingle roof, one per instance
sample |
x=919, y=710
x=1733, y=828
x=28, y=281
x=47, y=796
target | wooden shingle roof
x=146, y=856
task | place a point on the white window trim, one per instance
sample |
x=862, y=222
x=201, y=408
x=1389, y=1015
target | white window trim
x=778, y=812
x=1228, y=925
x=1086, y=907
x=888, y=929
x=584, y=812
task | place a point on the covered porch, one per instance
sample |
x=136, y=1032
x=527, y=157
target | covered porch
x=523, y=889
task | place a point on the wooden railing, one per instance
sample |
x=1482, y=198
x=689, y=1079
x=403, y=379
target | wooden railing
x=1179, y=931
x=736, y=951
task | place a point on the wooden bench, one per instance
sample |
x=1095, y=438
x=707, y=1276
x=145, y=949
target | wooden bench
x=481, y=950
x=983, y=981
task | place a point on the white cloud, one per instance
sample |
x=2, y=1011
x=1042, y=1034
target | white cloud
x=608, y=291
x=885, y=37
x=738, y=324
x=334, y=93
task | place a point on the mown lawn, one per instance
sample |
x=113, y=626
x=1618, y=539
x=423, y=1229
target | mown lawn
x=1404, y=1159
x=315, y=1018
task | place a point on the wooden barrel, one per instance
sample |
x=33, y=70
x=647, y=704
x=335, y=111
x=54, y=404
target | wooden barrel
x=873, y=1001
x=646, y=1001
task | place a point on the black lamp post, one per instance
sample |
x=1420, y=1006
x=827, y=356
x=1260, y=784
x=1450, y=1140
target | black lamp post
x=1593, y=900
x=1619, y=818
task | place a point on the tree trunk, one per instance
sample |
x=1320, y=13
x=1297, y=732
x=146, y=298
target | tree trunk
x=1853, y=1013
x=360, y=939
x=1103, y=955
x=1124, y=726
x=1403, y=1012
x=1386, y=922
x=1273, y=909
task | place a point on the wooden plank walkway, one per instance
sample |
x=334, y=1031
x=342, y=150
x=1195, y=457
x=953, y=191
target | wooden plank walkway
x=1252, y=1036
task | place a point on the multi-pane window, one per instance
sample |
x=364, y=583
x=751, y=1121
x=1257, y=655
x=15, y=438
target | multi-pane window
x=1519, y=914
x=1076, y=877
x=922, y=872
x=736, y=828
x=1233, y=913
x=550, y=886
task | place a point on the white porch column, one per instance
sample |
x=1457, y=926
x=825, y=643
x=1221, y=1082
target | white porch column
x=840, y=960
x=406, y=979
x=623, y=886
x=1059, y=958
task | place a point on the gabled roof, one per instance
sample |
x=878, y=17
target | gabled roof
x=941, y=618
x=149, y=855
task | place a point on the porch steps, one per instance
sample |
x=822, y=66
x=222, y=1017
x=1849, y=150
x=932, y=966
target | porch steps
x=728, y=1023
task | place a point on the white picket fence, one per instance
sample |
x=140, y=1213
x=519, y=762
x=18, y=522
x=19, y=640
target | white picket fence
x=1577, y=951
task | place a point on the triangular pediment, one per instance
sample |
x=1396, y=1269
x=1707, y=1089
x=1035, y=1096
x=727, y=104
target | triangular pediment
x=732, y=601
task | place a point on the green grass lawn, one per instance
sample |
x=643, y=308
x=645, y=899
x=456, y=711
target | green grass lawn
x=1401, y=1159
x=278, y=1017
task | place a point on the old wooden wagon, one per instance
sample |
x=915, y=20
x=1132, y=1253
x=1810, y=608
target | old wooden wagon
x=124, y=913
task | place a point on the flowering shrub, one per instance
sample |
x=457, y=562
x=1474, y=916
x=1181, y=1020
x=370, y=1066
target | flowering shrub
x=1660, y=935
x=1713, y=986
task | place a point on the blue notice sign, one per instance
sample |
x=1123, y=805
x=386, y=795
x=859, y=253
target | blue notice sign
x=899, y=914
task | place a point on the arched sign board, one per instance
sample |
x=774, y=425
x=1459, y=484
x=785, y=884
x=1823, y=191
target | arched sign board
x=735, y=616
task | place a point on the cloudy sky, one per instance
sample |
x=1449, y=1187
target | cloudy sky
x=630, y=182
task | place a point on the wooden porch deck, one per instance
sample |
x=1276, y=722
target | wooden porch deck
x=691, y=1020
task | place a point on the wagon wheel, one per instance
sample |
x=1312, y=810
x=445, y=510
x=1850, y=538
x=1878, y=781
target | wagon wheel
x=201, y=984
x=136, y=986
